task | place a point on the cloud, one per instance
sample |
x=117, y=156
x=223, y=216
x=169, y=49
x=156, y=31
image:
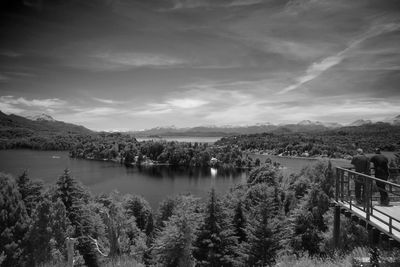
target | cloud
x=186, y=103
x=8, y=108
x=316, y=69
x=98, y=111
x=121, y=61
x=107, y=101
x=172, y=104
x=181, y=4
x=43, y=103
x=21, y=105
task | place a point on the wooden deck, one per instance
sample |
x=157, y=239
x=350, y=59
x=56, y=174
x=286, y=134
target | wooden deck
x=386, y=219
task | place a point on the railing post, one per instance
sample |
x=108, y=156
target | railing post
x=348, y=191
x=337, y=184
x=341, y=186
x=368, y=197
x=336, y=226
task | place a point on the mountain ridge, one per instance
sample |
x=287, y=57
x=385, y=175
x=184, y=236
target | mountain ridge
x=42, y=124
x=302, y=126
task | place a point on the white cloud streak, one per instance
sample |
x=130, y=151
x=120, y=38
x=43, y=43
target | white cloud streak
x=316, y=69
x=182, y=4
x=107, y=101
x=120, y=61
x=44, y=103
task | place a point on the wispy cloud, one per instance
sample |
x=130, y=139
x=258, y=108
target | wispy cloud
x=21, y=105
x=173, y=104
x=179, y=4
x=107, y=101
x=98, y=111
x=316, y=69
x=186, y=103
x=117, y=61
x=44, y=103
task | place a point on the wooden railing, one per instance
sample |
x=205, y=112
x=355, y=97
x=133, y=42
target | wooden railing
x=345, y=195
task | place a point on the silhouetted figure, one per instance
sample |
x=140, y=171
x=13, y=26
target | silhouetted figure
x=382, y=172
x=361, y=165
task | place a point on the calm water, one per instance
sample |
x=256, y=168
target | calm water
x=189, y=139
x=154, y=183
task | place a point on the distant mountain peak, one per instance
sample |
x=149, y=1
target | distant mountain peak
x=310, y=123
x=305, y=122
x=360, y=122
x=41, y=117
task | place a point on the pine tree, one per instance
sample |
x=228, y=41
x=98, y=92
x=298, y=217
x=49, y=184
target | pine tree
x=263, y=241
x=61, y=227
x=216, y=244
x=40, y=234
x=172, y=248
x=30, y=192
x=73, y=197
x=165, y=211
x=307, y=222
x=13, y=223
x=138, y=207
x=173, y=243
x=239, y=223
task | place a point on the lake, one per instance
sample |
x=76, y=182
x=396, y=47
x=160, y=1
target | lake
x=153, y=183
x=189, y=139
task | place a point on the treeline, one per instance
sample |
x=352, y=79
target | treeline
x=30, y=140
x=333, y=143
x=254, y=224
x=127, y=150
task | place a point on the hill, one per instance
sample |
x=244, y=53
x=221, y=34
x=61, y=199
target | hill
x=39, y=125
x=42, y=132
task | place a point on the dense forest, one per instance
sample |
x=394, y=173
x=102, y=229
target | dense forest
x=337, y=143
x=271, y=219
x=125, y=149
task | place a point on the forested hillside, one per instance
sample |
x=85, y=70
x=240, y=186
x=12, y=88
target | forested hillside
x=333, y=143
x=265, y=221
x=20, y=132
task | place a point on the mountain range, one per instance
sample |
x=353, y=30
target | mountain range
x=302, y=126
x=44, y=123
x=39, y=124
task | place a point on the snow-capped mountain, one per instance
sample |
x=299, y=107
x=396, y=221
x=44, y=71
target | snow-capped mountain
x=360, y=122
x=394, y=120
x=41, y=117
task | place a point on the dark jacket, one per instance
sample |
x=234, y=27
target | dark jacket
x=361, y=164
x=381, y=166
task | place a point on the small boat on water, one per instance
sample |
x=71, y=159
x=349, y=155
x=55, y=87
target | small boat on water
x=55, y=157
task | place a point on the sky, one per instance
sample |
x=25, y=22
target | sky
x=139, y=64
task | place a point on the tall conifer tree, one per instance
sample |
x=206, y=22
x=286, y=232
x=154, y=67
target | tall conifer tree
x=216, y=244
x=73, y=197
x=13, y=223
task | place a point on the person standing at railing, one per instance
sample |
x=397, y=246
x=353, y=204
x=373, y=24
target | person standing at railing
x=382, y=172
x=361, y=165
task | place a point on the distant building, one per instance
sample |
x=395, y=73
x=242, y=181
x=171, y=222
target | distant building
x=213, y=161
